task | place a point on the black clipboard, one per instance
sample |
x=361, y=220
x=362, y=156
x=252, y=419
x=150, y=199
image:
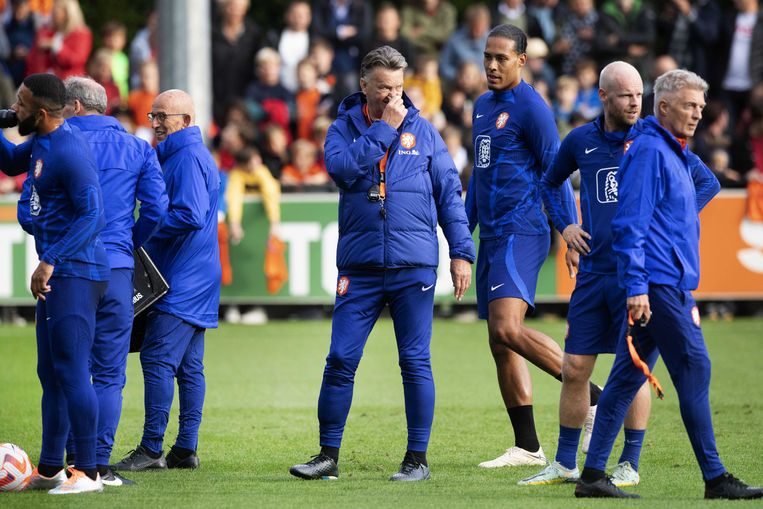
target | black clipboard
x=148, y=286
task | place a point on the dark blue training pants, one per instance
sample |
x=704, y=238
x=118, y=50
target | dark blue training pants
x=673, y=332
x=65, y=330
x=361, y=296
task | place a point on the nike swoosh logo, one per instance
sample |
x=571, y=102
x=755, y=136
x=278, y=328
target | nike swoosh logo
x=494, y=288
x=425, y=288
x=589, y=150
x=479, y=116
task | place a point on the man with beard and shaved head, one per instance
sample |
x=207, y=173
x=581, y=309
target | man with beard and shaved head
x=597, y=318
x=65, y=216
x=185, y=251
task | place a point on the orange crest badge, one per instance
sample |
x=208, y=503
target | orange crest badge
x=342, y=285
x=500, y=122
x=38, y=168
x=695, y=316
x=408, y=140
x=627, y=145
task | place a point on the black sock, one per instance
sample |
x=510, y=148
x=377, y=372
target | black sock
x=92, y=473
x=102, y=469
x=48, y=470
x=420, y=457
x=559, y=377
x=591, y=474
x=182, y=453
x=523, y=423
x=715, y=481
x=331, y=452
x=595, y=393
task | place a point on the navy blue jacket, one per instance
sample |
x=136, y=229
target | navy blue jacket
x=184, y=248
x=597, y=154
x=127, y=170
x=65, y=204
x=662, y=188
x=422, y=189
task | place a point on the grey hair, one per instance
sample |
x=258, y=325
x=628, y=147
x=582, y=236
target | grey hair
x=88, y=92
x=673, y=81
x=385, y=57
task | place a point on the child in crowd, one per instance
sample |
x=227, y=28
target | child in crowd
x=565, y=98
x=308, y=98
x=588, y=103
x=426, y=77
x=140, y=100
x=114, y=37
x=304, y=172
x=274, y=149
x=99, y=69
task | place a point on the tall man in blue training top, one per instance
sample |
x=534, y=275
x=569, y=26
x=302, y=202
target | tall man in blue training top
x=185, y=251
x=396, y=183
x=597, y=317
x=66, y=210
x=656, y=241
x=515, y=141
x=128, y=170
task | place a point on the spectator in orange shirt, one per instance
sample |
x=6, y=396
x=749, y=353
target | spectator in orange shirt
x=140, y=100
x=304, y=172
x=308, y=98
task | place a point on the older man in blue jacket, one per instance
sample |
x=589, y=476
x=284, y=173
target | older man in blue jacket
x=656, y=242
x=185, y=250
x=397, y=182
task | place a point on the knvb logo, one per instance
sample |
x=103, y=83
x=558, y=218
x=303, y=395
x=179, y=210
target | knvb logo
x=606, y=185
x=482, y=149
x=34, y=203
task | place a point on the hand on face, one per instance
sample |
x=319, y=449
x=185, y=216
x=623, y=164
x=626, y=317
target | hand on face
x=394, y=113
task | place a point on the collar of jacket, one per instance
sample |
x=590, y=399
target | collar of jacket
x=633, y=131
x=96, y=123
x=651, y=124
x=179, y=139
x=352, y=107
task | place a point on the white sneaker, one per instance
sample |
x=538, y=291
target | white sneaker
x=78, y=483
x=256, y=316
x=233, y=315
x=516, y=457
x=588, y=428
x=625, y=475
x=554, y=473
x=40, y=482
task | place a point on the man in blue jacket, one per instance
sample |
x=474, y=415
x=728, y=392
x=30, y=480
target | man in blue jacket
x=185, y=251
x=66, y=216
x=656, y=241
x=515, y=141
x=128, y=170
x=396, y=182
x=597, y=317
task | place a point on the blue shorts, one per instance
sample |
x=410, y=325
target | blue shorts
x=598, y=315
x=508, y=267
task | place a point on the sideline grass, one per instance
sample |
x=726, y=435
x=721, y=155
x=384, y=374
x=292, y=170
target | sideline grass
x=260, y=417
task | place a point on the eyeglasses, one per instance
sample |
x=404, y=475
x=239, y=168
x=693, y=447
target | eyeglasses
x=162, y=117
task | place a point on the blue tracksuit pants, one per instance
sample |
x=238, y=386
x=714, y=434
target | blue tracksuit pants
x=65, y=330
x=361, y=296
x=673, y=332
x=172, y=349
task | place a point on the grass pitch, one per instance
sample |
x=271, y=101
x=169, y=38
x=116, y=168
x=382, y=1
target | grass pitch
x=260, y=418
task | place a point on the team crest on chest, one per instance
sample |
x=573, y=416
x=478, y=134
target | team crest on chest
x=695, y=315
x=38, y=168
x=342, y=285
x=500, y=122
x=627, y=145
x=408, y=140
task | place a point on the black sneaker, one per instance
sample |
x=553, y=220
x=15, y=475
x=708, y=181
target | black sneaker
x=111, y=478
x=732, y=488
x=176, y=461
x=600, y=488
x=411, y=470
x=138, y=459
x=320, y=467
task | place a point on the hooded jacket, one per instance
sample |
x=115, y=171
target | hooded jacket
x=422, y=190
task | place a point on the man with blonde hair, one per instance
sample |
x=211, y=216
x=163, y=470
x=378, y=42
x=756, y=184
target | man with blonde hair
x=656, y=242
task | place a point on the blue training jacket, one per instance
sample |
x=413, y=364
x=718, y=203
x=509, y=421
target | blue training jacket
x=422, y=189
x=65, y=203
x=515, y=141
x=597, y=153
x=127, y=170
x=184, y=248
x=662, y=189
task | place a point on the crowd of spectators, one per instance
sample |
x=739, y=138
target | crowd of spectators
x=276, y=88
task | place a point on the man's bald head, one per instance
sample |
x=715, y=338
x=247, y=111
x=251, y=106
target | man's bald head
x=620, y=91
x=172, y=111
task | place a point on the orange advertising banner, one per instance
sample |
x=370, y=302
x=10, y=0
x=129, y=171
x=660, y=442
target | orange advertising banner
x=731, y=252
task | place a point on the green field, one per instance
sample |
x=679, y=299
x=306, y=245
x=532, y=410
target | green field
x=260, y=417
